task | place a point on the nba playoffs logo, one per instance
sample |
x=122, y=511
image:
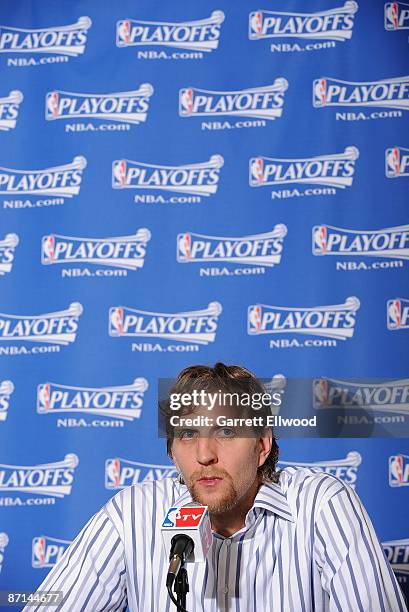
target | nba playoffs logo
x=9, y=109
x=387, y=93
x=6, y=389
x=46, y=551
x=391, y=242
x=345, y=469
x=62, y=181
x=396, y=162
x=399, y=471
x=196, y=326
x=256, y=102
x=126, y=107
x=124, y=402
x=69, y=40
x=53, y=479
x=120, y=473
x=4, y=540
x=396, y=16
x=126, y=252
x=397, y=553
x=397, y=314
x=386, y=396
x=265, y=249
x=196, y=179
x=196, y=35
x=7, y=248
x=336, y=321
x=58, y=327
x=334, y=24
x=335, y=170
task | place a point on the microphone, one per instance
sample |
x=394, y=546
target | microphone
x=182, y=547
x=187, y=536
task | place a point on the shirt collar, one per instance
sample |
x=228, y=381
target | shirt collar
x=269, y=496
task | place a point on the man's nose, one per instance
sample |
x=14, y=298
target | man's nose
x=206, y=452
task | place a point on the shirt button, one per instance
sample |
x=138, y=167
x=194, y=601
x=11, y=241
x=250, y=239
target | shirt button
x=225, y=589
x=228, y=543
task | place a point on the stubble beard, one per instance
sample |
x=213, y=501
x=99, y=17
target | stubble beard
x=219, y=503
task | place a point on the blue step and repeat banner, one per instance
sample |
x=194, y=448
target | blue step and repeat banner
x=183, y=183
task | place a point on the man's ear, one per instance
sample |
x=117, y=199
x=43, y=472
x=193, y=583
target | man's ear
x=265, y=445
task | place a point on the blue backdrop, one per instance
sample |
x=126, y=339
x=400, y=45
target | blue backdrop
x=186, y=183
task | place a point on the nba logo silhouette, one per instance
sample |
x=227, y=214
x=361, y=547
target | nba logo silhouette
x=170, y=518
x=399, y=471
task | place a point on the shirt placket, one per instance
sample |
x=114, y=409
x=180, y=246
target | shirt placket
x=224, y=589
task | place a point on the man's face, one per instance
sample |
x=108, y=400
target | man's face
x=219, y=465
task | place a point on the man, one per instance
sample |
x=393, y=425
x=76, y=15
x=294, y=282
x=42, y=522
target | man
x=292, y=541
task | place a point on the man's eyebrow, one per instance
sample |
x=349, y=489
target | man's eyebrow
x=211, y=428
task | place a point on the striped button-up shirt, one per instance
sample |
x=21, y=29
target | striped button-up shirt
x=307, y=544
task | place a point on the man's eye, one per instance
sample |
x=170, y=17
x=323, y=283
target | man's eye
x=187, y=434
x=225, y=432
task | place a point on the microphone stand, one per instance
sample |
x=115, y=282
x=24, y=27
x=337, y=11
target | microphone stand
x=181, y=586
x=182, y=546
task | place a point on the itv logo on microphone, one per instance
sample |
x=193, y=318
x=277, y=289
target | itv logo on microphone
x=188, y=516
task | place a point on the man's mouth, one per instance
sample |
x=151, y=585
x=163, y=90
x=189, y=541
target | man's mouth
x=209, y=481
